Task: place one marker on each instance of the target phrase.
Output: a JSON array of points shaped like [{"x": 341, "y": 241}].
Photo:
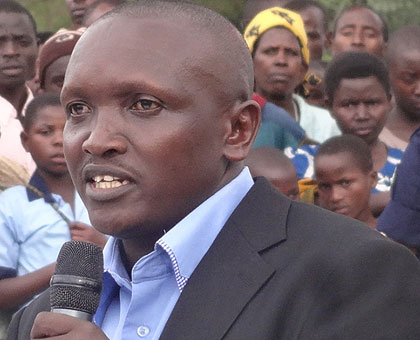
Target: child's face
[
  {"x": 285, "y": 182},
  {"x": 316, "y": 93},
  {"x": 360, "y": 106},
  {"x": 44, "y": 140},
  {"x": 344, "y": 188},
  {"x": 404, "y": 72}
]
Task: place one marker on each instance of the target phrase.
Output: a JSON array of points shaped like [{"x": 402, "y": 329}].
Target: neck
[
  {"x": 369, "y": 220},
  {"x": 16, "y": 96},
  {"x": 284, "y": 101},
  {"x": 60, "y": 185}
]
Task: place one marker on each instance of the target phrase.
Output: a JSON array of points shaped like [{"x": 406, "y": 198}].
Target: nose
[
  {"x": 357, "y": 39},
  {"x": 336, "y": 194},
  {"x": 58, "y": 138},
  {"x": 105, "y": 138},
  {"x": 280, "y": 58},
  {"x": 362, "y": 112},
  {"x": 10, "y": 49}
]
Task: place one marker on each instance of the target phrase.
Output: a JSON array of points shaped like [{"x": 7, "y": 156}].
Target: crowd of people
[{"x": 323, "y": 110}]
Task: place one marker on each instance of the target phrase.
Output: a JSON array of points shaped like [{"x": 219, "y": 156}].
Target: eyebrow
[{"x": 126, "y": 88}]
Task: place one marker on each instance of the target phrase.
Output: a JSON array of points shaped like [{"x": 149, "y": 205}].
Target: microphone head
[{"x": 77, "y": 281}]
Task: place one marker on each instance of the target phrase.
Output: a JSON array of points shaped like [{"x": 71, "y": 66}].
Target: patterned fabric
[
  {"x": 180, "y": 280},
  {"x": 303, "y": 159}
]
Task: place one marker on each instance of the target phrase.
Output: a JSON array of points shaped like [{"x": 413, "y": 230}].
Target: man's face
[
  {"x": 77, "y": 9},
  {"x": 278, "y": 63},
  {"x": 360, "y": 107},
  {"x": 404, "y": 72},
  {"x": 144, "y": 138},
  {"x": 18, "y": 49},
  {"x": 342, "y": 186},
  {"x": 358, "y": 30},
  {"x": 313, "y": 19}
]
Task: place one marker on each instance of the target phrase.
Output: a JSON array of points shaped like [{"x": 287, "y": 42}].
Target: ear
[
  {"x": 241, "y": 129},
  {"x": 373, "y": 175},
  {"x": 24, "y": 140}
]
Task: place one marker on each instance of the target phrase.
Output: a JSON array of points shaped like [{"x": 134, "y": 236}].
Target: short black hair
[
  {"x": 385, "y": 29},
  {"x": 353, "y": 65},
  {"x": 37, "y": 104},
  {"x": 354, "y": 145},
  {"x": 299, "y": 5},
  {"x": 10, "y": 6}
]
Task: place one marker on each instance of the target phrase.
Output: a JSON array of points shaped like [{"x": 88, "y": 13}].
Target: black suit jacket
[{"x": 286, "y": 270}]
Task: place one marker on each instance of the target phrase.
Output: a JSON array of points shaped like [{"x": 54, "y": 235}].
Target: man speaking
[{"x": 157, "y": 96}]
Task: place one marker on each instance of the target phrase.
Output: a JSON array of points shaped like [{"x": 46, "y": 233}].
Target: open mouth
[{"x": 108, "y": 182}]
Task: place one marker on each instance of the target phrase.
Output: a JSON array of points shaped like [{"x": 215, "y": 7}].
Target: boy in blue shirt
[{"x": 37, "y": 219}]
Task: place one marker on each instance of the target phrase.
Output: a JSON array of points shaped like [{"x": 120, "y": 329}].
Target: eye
[
  {"x": 144, "y": 105},
  {"x": 270, "y": 51},
  {"x": 345, "y": 183},
  {"x": 78, "y": 109}
]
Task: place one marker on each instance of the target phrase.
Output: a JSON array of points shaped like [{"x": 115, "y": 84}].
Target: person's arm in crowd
[
  {"x": 378, "y": 201},
  {"x": 17, "y": 290}
]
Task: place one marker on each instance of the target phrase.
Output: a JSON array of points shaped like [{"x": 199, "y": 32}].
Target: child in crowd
[
  {"x": 276, "y": 167},
  {"x": 345, "y": 176},
  {"x": 402, "y": 57},
  {"x": 315, "y": 19},
  {"x": 359, "y": 97},
  {"x": 35, "y": 220}
]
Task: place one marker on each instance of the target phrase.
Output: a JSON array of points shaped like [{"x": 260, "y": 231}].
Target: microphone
[{"x": 75, "y": 287}]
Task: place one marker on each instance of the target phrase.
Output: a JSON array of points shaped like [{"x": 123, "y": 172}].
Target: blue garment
[
  {"x": 140, "y": 307},
  {"x": 401, "y": 218},
  {"x": 278, "y": 129},
  {"x": 303, "y": 159},
  {"x": 32, "y": 232}
]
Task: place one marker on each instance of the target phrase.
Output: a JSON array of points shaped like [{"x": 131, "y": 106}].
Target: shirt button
[{"x": 143, "y": 331}]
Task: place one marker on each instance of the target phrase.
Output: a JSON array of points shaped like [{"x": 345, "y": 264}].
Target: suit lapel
[{"x": 232, "y": 271}]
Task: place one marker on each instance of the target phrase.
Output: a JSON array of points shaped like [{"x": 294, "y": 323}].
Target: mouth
[
  {"x": 363, "y": 131},
  {"x": 59, "y": 158},
  {"x": 78, "y": 12},
  {"x": 107, "y": 182},
  {"x": 279, "y": 77},
  {"x": 12, "y": 70},
  {"x": 340, "y": 210}
]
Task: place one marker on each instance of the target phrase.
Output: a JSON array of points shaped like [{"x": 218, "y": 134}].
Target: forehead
[
  {"x": 279, "y": 36},
  {"x": 360, "y": 17},
  {"x": 359, "y": 88},
  {"x": 160, "y": 51},
  {"x": 16, "y": 24},
  {"x": 406, "y": 58},
  {"x": 337, "y": 164},
  {"x": 312, "y": 16}
]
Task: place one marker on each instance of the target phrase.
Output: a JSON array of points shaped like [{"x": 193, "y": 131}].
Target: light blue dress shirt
[
  {"x": 139, "y": 308},
  {"x": 31, "y": 231}
]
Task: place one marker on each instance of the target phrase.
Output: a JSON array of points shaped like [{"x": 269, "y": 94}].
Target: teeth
[
  {"x": 109, "y": 185},
  {"x": 108, "y": 182}
]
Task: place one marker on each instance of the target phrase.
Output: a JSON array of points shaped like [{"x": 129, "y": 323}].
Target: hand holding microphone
[{"x": 74, "y": 294}]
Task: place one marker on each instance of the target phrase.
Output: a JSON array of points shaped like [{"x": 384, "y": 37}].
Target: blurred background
[{"x": 51, "y": 15}]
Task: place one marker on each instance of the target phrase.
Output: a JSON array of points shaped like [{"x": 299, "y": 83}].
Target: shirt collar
[
  {"x": 38, "y": 183},
  {"x": 190, "y": 239}
]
